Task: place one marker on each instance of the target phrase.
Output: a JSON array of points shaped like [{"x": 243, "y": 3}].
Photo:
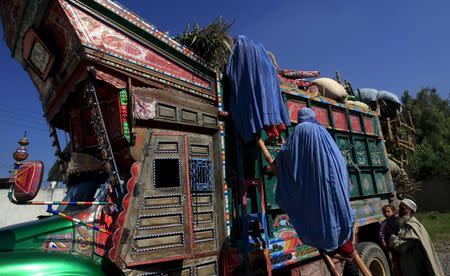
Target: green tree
[{"x": 431, "y": 117}]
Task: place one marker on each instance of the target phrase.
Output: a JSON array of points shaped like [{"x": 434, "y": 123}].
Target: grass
[
  {"x": 438, "y": 227},
  {"x": 211, "y": 42}
]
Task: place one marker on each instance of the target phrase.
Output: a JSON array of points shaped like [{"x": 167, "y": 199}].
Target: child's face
[{"x": 388, "y": 213}]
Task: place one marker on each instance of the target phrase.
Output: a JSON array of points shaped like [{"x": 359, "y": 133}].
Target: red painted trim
[{"x": 122, "y": 216}]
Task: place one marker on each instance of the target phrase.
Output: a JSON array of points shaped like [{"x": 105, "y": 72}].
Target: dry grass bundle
[
  {"x": 405, "y": 186},
  {"x": 212, "y": 43}
]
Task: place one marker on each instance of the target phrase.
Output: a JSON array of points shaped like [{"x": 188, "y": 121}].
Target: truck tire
[{"x": 373, "y": 257}]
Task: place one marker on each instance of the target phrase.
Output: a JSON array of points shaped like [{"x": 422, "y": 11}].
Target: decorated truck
[{"x": 158, "y": 183}]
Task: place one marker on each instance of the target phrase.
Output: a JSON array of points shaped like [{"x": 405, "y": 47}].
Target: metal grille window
[{"x": 200, "y": 170}]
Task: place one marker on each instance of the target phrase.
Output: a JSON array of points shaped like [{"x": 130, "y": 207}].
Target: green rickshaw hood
[{"x": 34, "y": 235}]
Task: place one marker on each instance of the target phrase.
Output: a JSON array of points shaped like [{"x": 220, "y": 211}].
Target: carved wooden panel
[
  {"x": 175, "y": 212},
  {"x": 174, "y": 107},
  {"x": 203, "y": 188},
  {"x": 206, "y": 266},
  {"x": 159, "y": 223},
  {"x": 189, "y": 116}
]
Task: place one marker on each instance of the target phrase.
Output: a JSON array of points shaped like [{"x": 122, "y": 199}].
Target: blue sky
[{"x": 392, "y": 45}]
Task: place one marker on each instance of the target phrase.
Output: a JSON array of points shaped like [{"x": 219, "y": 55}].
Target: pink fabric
[
  {"x": 298, "y": 83},
  {"x": 274, "y": 130},
  {"x": 144, "y": 108},
  {"x": 295, "y": 74}
]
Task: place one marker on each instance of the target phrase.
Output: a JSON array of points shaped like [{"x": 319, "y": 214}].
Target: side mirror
[{"x": 28, "y": 181}]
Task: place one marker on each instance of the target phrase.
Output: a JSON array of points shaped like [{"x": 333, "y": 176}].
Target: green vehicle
[{"x": 153, "y": 182}]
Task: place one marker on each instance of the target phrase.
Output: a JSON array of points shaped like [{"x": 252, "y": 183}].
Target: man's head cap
[{"x": 411, "y": 204}]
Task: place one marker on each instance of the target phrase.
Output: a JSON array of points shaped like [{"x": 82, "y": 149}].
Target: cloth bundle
[
  {"x": 331, "y": 89},
  {"x": 295, "y": 74},
  {"x": 255, "y": 98},
  {"x": 388, "y": 102}
]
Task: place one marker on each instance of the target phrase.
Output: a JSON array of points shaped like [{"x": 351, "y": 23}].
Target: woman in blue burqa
[{"x": 313, "y": 185}]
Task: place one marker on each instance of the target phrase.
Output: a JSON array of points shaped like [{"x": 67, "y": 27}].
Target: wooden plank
[
  {"x": 163, "y": 220},
  {"x": 159, "y": 241}
]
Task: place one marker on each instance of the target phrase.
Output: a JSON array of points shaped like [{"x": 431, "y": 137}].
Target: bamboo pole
[
  {"x": 265, "y": 151},
  {"x": 267, "y": 155},
  {"x": 407, "y": 126},
  {"x": 399, "y": 119},
  {"x": 406, "y": 146},
  {"x": 396, "y": 160},
  {"x": 403, "y": 141},
  {"x": 389, "y": 129}
]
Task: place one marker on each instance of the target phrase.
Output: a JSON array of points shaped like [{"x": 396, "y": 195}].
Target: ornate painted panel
[
  {"x": 354, "y": 184},
  {"x": 270, "y": 181},
  {"x": 98, "y": 35},
  {"x": 376, "y": 153},
  {"x": 355, "y": 122},
  {"x": 343, "y": 143},
  {"x": 369, "y": 125},
  {"x": 340, "y": 119},
  {"x": 367, "y": 185},
  {"x": 359, "y": 145},
  {"x": 293, "y": 109},
  {"x": 322, "y": 115},
  {"x": 381, "y": 182},
  {"x": 134, "y": 19},
  {"x": 368, "y": 210}
]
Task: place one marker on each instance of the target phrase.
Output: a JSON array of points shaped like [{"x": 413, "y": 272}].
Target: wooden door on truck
[
  {"x": 171, "y": 214},
  {"x": 159, "y": 214}
]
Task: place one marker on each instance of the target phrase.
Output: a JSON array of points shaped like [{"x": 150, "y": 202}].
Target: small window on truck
[{"x": 166, "y": 173}]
